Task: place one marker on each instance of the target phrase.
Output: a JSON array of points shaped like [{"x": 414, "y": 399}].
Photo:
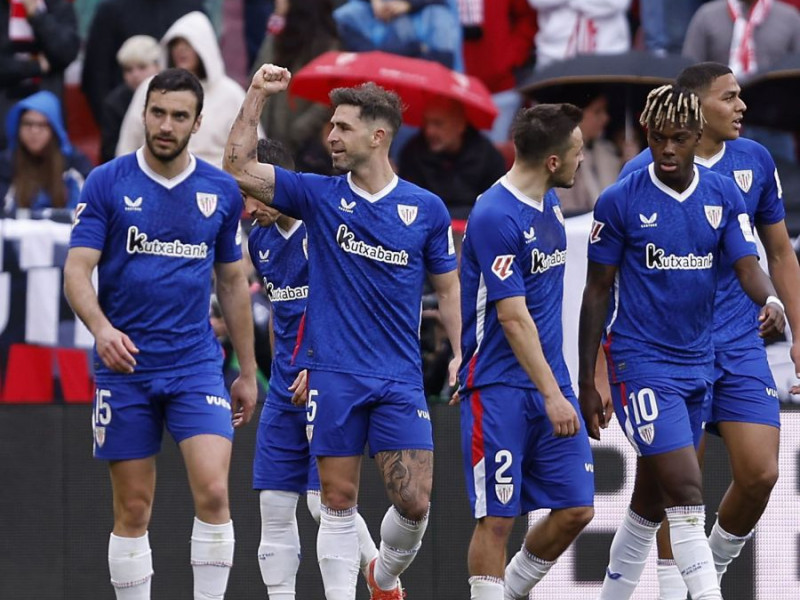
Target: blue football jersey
[
  {"x": 514, "y": 246},
  {"x": 750, "y": 165},
  {"x": 368, "y": 255},
  {"x": 667, "y": 247},
  {"x": 280, "y": 258},
  {"x": 159, "y": 240}
]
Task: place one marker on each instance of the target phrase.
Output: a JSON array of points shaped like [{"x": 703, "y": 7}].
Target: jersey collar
[
  {"x": 372, "y": 197},
  {"x": 287, "y": 234},
  {"x": 160, "y": 179},
  {"x": 710, "y": 162},
  {"x": 537, "y": 204},
  {"x": 651, "y": 170}
]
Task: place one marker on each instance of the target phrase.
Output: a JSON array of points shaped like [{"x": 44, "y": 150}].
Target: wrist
[{"x": 775, "y": 300}]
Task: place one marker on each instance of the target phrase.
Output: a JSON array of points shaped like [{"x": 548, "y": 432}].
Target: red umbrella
[{"x": 417, "y": 81}]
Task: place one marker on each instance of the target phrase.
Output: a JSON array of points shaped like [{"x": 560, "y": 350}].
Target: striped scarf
[{"x": 742, "y": 60}]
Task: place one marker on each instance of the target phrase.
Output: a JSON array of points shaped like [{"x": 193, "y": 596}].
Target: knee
[
  {"x": 497, "y": 528},
  {"x": 759, "y": 484},
  {"x": 212, "y": 498},
  {"x": 574, "y": 520},
  {"x": 414, "y": 509},
  {"x": 133, "y": 513},
  {"x": 340, "y": 496}
]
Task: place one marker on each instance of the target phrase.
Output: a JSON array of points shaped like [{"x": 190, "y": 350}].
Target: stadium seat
[
  {"x": 73, "y": 371},
  {"x": 29, "y": 375}
]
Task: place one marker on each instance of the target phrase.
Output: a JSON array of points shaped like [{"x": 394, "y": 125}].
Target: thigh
[
  {"x": 492, "y": 442},
  {"x": 660, "y": 415},
  {"x": 399, "y": 418},
  {"x": 744, "y": 391},
  {"x": 752, "y": 449},
  {"x": 197, "y": 404},
  {"x": 127, "y": 424},
  {"x": 557, "y": 472},
  {"x": 207, "y": 459},
  {"x": 282, "y": 455},
  {"x": 338, "y": 406}
]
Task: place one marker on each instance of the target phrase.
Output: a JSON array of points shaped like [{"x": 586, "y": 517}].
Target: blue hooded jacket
[{"x": 76, "y": 167}]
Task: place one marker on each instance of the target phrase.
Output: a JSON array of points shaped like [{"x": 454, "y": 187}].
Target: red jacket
[{"x": 507, "y": 42}]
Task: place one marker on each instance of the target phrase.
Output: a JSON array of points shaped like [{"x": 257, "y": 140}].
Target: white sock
[
  {"x": 130, "y": 563},
  {"x": 338, "y": 552},
  {"x": 725, "y": 547},
  {"x": 211, "y": 558},
  {"x": 313, "y": 502},
  {"x": 628, "y": 555},
  {"x": 687, "y": 530},
  {"x": 523, "y": 572},
  {"x": 367, "y": 544},
  {"x": 485, "y": 587},
  {"x": 670, "y": 581},
  {"x": 279, "y": 550},
  {"x": 401, "y": 539}
]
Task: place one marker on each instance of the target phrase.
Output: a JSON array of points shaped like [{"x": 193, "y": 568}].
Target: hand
[
  {"x": 794, "y": 352},
  {"x": 562, "y": 416},
  {"x": 271, "y": 79},
  {"x": 772, "y": 321},
  {"x": 397, "y": 8},
  {"x": 454, "y": 399},
  {"x": 116, "y": 349},
  {"x": 299, "y": 388},
  {"x": 282, "y": 7},
  {"x": 381, "y": 10},
  {"x": 244, "y": 392},
  {"x": 594, "y": 411}
]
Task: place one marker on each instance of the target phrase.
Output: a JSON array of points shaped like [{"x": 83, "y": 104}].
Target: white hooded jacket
[{"x": 222, "y": 95}]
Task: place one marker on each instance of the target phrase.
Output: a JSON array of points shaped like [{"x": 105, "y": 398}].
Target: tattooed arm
[{"x": 254, "y": 178}]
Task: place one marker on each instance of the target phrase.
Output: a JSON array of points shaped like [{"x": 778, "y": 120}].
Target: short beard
[{"x": 169, "y": 156}]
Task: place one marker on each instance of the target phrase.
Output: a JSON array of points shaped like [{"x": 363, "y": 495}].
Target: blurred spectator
[
  {"x": 192, "y": 45},
  {"x": 601, "y": 163},
  {"x": 749, "y": 37},
  {"x": 315, "y": 155},
  {"x": 114, "y": 22},
  {"x": 498, "y": 38},
  {"x": 256, "y": 14},
  {"x": 451, "y": 158},
  {"x": 138, "y": 58},
  {"x": 426, "y": 29},
  {"x": 38, "y": 39},
  {"x": 567, "y": 29},
  {"x": 299, "y": 31},
  {"x": 664, "y": 24},
  {"x": 40, "y": 171}
]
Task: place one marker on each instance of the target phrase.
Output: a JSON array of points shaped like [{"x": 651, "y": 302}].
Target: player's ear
[
  {"x": 378, "y": 135},
  {"x": 553, "y": 162},
  {"x": 197, "y": 122}
]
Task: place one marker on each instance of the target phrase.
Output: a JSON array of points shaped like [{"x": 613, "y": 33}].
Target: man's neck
[
  {"x": 286, "y": 222},
  {"x": 167, "y": 169},
  {"x": 534, "y": 183},
  {"x": 374, "y": 175},
  {"x": 709, "y": 147}
]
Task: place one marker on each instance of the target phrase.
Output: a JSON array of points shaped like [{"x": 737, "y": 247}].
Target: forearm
[
  {"x": 523, "y": 337},
  {"x": 234, "y": 300},
  {"x": 785, "y": 274},
  {"x": 754, "y": 281},
  {"x": 82, "y": 297},
  {"x": 240, "y": 149},
  {"x": 450, "y": 311},
  {"x": 590, "y": 331}
]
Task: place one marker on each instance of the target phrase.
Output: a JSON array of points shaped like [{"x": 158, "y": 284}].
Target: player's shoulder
[
  {"x": 750, "y": 149},
  {"x": 406, "y": 189}
]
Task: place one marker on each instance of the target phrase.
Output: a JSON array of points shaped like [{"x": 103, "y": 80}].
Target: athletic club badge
[
  {"x": 207, "y": 203},
  {"x": 504, "y": 491},
  {"x": 713, "y": 215},
  {"x": 408, "y": 214},
  {"x": 744, "y": 179}
]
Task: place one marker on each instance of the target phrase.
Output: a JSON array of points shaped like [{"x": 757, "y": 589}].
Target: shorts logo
[
  {"x": 408, "y": 214},
  {"x": 744, "y": 179},
  {"x": 133, "y": 205},
  {"x": 713, "y": 215},
  {"x": 347, "y": 241},
  {"x": 309, "y": 431},
  {"x": 589, "y": 467},
  {"x": 504, "y": 491},
  {"x": 747, "y": 231},
  {"x": 648, "y": 221},
  {"x": 346, "y": 206},
  {"x": 647, "y": 433},
  {"x": 559, "y": 214},
  {"x": 772, "y": 392},
  {"x": 218, "y": 401},
  {"x": 423, "y": 414},
  {"x": 207, "y": 203},
  {"x": 597, "y": 227},
  {"x": 99, "y": 435},
  {"x": 502, "y": 266},
  {"x": 657, "y": 258}
]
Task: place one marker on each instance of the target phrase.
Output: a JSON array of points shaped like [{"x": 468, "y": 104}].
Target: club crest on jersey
[
  {"x": 133, "y": 205},
  {"x": 744, "y": 179},
  {"x": 207, "y": 203},
  {"x": 559, "y": 214},
  {"x": 594, "y": 235},
  {"x": 502, "y": 266},
  {"x": 713, "y": 215},
  {"x": 504, "y": 491},
  {"x": 647, "y": 433},
  {"x": 408, "y": 214},
  {"x": 305, "y": 247}
]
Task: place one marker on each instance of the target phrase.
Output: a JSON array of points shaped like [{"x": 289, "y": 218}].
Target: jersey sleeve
[
  {"x": 229, "y": 239},
  {"x": 497, "y": 247},
  {"x": 440, "y": 252},
  {"x": 607, "y": 236},
  {"x": 770, "y": 207},
  {"x": 738, "y": 240},
  {"x": 90, "y": 226},
  {"x": 292, "y": 193}
]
